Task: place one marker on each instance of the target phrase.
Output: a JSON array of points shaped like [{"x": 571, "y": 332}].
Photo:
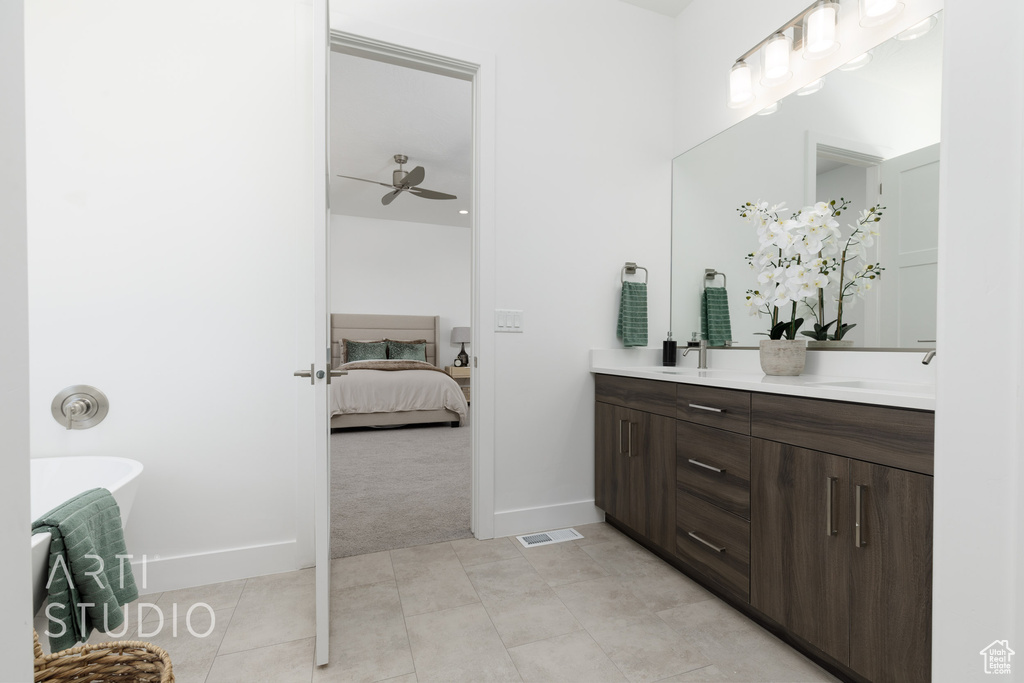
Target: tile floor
[{"x": 597, "y": 609}]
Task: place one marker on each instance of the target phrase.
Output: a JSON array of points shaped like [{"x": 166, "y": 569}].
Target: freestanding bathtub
[{"x": 55, "y": 480}]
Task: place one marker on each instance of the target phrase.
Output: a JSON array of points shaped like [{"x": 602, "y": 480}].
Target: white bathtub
[{"x": 55, "y": 480}]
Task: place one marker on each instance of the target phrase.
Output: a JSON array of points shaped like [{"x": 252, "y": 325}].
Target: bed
[{"x": 371, "y": 397}]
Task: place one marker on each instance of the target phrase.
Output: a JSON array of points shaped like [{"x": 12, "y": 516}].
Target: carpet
[{"x": 400, "y": 487}]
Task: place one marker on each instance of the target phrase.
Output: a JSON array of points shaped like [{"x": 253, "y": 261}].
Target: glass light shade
[
  {"x": 875, "y": 12},
  {"x": 775, "y": 60},
  {"x": 811, "y": 88},
  {"x": 741, "y": 88},
  {"x": 918, "y": 29},
  {"x": 770, "y": 109},
  {"x": 820, "y": 32},
  {"x": 857, "y": 62}
]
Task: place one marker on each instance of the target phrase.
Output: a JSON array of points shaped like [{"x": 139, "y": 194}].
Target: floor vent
[{"x": 549, "y": 537}]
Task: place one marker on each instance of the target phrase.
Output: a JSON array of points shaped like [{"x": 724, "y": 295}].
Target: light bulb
[
  {"x": 741, "y": 89},
  {"x": 775, "y": 60},
  {"x": 875, "y": 12},
  {"x": 820, "y": 30}
]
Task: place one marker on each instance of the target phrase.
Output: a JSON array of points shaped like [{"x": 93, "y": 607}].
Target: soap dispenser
[{"x": 668, "y": 351}]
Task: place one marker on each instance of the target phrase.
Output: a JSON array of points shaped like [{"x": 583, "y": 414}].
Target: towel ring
[
  {"x": 710, "y": 274},
  {"x": 630, "y": 269}
]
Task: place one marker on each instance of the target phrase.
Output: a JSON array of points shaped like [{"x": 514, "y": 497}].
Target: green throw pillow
[
  {"x": 357, "y": 350},
  {"x": 415, "y": 350}
]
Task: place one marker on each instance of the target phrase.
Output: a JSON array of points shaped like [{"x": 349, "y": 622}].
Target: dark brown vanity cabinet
[
  {"x": 816, "y": 515},
  {"x": 634, "y": 474},
  {"x": 841, "y": 547},
  {"x": 713, "y": 484}
]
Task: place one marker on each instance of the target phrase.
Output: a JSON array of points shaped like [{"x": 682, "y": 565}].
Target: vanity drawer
[
  {"x": 647, "y": 395},
  {"x": 894, "y": 437},
  {"x": 723, "y": 408},
  {"x": 714, "y": 465},
  {"x": 714, "y": 542}
]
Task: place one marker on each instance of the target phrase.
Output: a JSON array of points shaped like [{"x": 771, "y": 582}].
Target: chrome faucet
[
  {"x": 924, "y": 361},
  {"x": 702, "y": 355}
]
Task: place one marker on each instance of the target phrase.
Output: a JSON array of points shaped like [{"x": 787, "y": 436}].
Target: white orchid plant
[{"x": 803, "y": 257}]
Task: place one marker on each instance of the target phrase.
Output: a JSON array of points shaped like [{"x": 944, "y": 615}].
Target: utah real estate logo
[{"x": 997, "y": 657}]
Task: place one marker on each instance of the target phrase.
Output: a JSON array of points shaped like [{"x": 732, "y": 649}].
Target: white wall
[
  {"x": 402, "y": 268},
  {"x": 15, "y": 569},
  {"x": 979, "y": 547},
  {"x": 583, "y": 144},
  {"x": 169, "y": 169}
]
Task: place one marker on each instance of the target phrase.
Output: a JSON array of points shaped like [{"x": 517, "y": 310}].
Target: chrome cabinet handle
[
  {"x": 716, "y": 548},
  {"x": 307, "y": 373},
  {"x": 698, "y": 463},
  {"x": 708, "y": 408},
  {"x": 830, "y": 490},
  {"x": 621, "y": 451},
  {"x": 858, "y": 529},
  {"x": 629, "y": 438}
]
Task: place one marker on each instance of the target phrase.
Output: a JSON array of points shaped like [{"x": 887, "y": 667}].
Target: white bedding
[{"x": 390, "y": 391}]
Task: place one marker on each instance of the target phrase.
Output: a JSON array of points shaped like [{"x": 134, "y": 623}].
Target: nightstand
[{"x": 460, "y": 375}]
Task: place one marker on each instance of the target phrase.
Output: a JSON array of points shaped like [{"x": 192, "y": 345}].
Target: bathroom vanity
[{"x": 810, "y": 513}]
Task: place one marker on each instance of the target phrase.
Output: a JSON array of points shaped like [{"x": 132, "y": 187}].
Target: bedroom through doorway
[{"x": 401, "y": 293}]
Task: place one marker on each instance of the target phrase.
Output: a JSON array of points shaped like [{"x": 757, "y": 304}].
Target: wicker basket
[{"x": 127, "y": 661}]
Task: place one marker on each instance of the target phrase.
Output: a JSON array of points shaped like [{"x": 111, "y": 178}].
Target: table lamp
[{"x": 461, "y": 335}]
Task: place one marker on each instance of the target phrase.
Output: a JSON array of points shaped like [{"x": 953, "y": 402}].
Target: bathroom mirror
[{"x": 871, "y": 129}]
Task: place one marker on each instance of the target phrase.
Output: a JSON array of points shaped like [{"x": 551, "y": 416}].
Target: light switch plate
[{"x": 508, "y": 320}]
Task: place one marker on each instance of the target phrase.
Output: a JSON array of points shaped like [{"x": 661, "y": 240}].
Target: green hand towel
[
  {"x": 632, "y": 327},
  {"x": 87, "y": 582},
  {"x": 714, "y": 316}
]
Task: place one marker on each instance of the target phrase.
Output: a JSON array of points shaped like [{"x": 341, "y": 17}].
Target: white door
[
  {"x": 908, "y": 248},
  {"x": 321, "y": 314}
]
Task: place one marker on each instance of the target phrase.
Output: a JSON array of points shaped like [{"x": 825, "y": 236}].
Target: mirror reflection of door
[{"x": 399, "y": 255}]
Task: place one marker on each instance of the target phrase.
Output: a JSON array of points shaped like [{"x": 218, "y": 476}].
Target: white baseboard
[
  {"x": 186, "y": 571},
  {"x": 529, "y": 520}
]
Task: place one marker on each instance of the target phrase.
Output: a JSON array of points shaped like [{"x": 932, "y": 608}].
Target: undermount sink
[{"x": 879, "y": 385}]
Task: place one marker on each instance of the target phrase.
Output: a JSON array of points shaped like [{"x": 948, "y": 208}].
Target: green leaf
[{"x": 841, "y": 332}]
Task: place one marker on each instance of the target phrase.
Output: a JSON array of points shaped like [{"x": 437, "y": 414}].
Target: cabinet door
[
  {"x": 618, "y": 473},
  {"x": 891, "y": 574},
  {"x": 655, "y": 446},
  {"x": 800, "y": 542}
]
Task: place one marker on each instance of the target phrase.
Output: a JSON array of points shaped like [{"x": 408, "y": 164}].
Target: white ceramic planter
[{"x": 783, "y": 356}]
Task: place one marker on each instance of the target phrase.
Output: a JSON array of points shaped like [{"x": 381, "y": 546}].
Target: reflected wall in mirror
[{"x": 871, "y": 136}]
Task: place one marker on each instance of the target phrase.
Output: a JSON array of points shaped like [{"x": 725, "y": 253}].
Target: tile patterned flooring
[{"x": 601, "y": 608}]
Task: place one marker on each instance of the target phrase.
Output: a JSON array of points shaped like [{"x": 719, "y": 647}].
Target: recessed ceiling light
[
  {"x": 918, "y": 29},
  {"x": 811, "y": 88},
  {"x": 857, "y": 62},
  {"x": 770, "y": 109},
  {"x": 463, "y": 211}
]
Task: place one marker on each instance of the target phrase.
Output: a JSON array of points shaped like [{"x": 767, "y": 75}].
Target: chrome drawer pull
[
  {"x": 858, "y": 513},
  {"x": 717, "y": 549},
  {"x": 708, "y": 408},
  {"x": 830, "y": 487},
  {"x": 698, "y": 463}
]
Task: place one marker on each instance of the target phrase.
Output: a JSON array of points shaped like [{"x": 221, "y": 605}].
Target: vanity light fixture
[
  {"x": 811, "y": 88},
  {"x": 775, "y": 60},
  {"x": 820, "y": 30},
  {"x": 857, "y": 62},
  {"x": 741, "y": 89},
  {"x": 875, "y": 12},
  {"x": 463, "y": 211},
  {"x": 769, "y": 110},
  {"x": 918, "y": 29}
]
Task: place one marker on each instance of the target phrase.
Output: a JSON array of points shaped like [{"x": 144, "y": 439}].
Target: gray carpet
[{"x": 396, "y": 488}]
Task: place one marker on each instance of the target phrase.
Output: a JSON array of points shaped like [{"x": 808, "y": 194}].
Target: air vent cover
[{"x": 549, "y": 537}]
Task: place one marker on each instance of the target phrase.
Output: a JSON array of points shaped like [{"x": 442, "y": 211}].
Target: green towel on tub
[
  {"x": 632, "y": 327},
  {"x": 714, "y": 316},
  {"x": 87, "y": 583}
]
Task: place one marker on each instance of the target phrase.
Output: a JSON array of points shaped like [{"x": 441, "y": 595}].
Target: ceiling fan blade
[
  {"x": 390, "y": 196},
  {"x": 430, "y": 194},
  {"x": 414, "y": 177},
  {"x": 375, "y": 182}
]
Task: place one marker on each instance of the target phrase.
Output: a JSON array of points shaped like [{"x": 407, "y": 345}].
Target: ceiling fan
[{"x": 403, "y": 181}]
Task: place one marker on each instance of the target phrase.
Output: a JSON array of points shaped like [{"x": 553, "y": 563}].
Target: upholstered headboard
[{"x": 370, "y": 327}]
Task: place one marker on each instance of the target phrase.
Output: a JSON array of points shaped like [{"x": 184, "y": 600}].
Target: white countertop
[{"x": 900, "y": 392}]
